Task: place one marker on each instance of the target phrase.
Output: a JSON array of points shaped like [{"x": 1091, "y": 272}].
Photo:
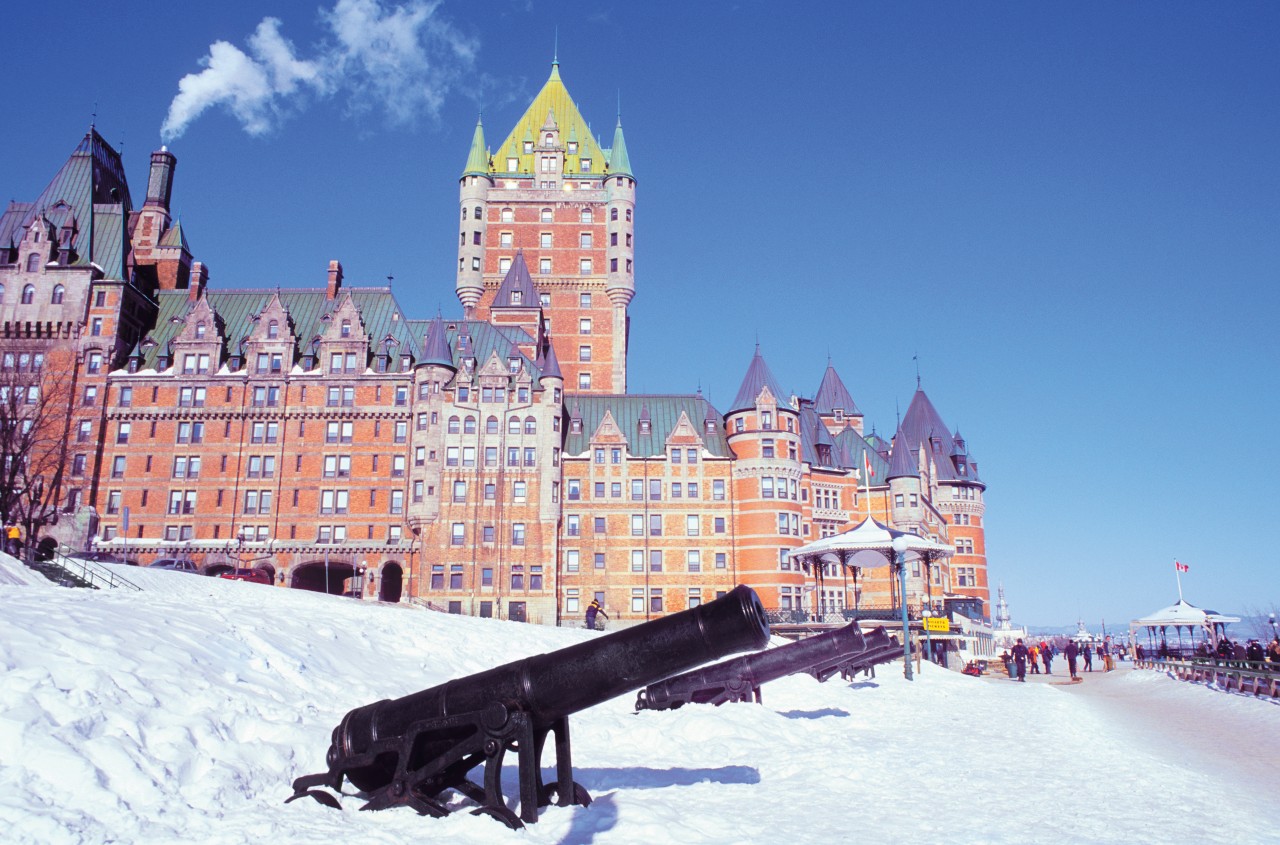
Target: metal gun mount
[
  {"x": 740, "y": 679},
  {"x": 409, "y": 751}
]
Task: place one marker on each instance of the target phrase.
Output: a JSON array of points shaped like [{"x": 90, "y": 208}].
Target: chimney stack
[
  {"x": 335, "y": 280},
  {"x": 160, "y": 183},
  {"x": 199, "y": 278}
]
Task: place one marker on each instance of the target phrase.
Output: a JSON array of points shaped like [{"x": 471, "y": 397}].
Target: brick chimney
[
  {"x": 199, "y": 278},
  {"x": 335, "y": 280}
]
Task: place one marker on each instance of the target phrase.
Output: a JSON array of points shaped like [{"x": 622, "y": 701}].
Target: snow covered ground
[{"x": 182, "y": 713}]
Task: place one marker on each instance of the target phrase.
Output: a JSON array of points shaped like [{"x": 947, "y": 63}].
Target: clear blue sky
[{"x": 1069, "y": 211}]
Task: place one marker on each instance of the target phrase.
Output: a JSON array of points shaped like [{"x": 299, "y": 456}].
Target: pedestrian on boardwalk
[
  {"x": 1033, "y": 655},
  {"x": 1008, "y": 663},
  {"x": 1238, "y": 651},
  {"x": 1071, "y": 651},
  {"x": 1224, "y": 648},
  {"x": 1273, "y": 652},
  {"x": 1020, "y": 658},
  {"x": 1254, "y": 652},
  {"x": 1088, "y": 657},
  {"x": 1046, "y": 654}
]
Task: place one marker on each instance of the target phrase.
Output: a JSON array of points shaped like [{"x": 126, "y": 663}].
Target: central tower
[{"x": 551, "y": 192}]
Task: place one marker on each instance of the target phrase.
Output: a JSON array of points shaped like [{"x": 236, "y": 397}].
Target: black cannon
[
  {"x": 740, "y": 679},
  {"x": 878, "y": 647},
  {"x": 410, "y": 750}
]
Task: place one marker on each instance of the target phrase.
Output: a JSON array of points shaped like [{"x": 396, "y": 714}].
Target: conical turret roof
[
  {"x": 833, "y": 396},
  {"x": 435, "y": 346},
  {"x": 619, "y": 161},
  {"x": 549, "y": 364},
  {"x": 553, "y": 98},
  {"x": 901, "y": 462},
  {"x": 478, "y": 158},
  {"x": 758, "y": 377}
]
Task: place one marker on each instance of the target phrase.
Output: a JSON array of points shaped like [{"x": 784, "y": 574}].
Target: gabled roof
[
  {"x": 664, "y": 412},
  {"x": 902, "y": 463},
  {"x": 833, "y": 395},
  {"x": 516, "y": 280},
  {"x": 553, "y": 97},
  {"x": 853, "y": 446},
  {"x": 758, "y": 377},
  {"x": 174, "y": 236},
  {"x": 379, "y": 312}
]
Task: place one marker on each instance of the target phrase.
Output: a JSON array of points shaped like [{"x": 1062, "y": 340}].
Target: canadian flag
[
  {"x": 1181, "y": 567},
  {"x": 866, "y": 462}
]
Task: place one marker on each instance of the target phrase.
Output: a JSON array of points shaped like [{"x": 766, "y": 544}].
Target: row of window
[
  {"x": 545, "y": 214},
  {"x": 255, "y": 533},
  {"x": 256, "y": 466},
  {"x": 486, "y": 534},
  {"x": 262, "y": 396},
  {"x": 467, "y": 425},
  {"x": 260, "y": 431},
  {"x": 656, "y": 560},
  {"x": 678, "y": 489},
  {"x": 466, "y": 456},
  {"x": 22, "y": 362},
  {"x": 29, "y": 291},
  {"x": 455, "y": 573},
  {"x": 183, "y": 502}
]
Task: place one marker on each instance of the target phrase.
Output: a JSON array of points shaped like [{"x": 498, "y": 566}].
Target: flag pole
[{"x": 1177, "y": 571}]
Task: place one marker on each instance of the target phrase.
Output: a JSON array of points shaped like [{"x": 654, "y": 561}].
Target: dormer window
[
  {"x": 839, "y": 414},
  {"x": 517, "y": 297},
  {"x": 273, "y": 329},
  {"x": 346, "y": 328},
  {"x": 549, "y": 139},
  {"x": 573, "y": 147},
  {"x": 513, "y": 365},
  {"x": 513, "y": 164},
  {"x": 766, "y": 420},
  {"x": 575, "y": 425},
  {"x": 59, "y": 292},
  {"x": 528, "y": 146},
  {"x": 33, "y": 260},
  {"x": 200, "y": 330},
  {"x": 584, "y": 165}
]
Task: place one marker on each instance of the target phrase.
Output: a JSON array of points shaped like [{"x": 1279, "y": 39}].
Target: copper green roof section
[
  {"x": 853, "y": 447},
  {"x": 619, "y": 161},
  {"x": 478, "y": 158},
  {"x": 174, "y": 236},
  {"x": 664, "y": 413},
  {"x": 236, "y": 309},
  {"x": 553, "y": 98}
]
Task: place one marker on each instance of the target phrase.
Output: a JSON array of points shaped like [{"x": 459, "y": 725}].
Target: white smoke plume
[{"x": 401, "y": 61}]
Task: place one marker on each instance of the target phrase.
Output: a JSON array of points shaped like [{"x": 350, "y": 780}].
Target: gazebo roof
[
  {"x": 869, "y": 536},
  {"x": 1182, "y": 614}
]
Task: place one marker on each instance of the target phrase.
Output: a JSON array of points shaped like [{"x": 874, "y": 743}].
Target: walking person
[
  {"x": 1088, "y": 657},
  {"x": 593, "y": 610},
  {"x": 1033, "y": 655},
  {"x": 1020, "y": 658},
  {"x": 1046, "y": 654},
  {"x": 1072, "y": 651}
]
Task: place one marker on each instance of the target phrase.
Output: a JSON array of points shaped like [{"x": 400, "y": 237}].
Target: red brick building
[{"x": 492, "y": 464}]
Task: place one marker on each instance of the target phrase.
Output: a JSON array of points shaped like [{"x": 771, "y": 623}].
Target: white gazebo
[
  {"x": 869, "y": 545},
  {"x": 1210, "y": 624}
]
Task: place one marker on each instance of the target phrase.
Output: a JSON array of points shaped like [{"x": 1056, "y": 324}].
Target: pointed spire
[
  {"x": 833, "y": 396},
  {"x": 477, "y": 159},
  {"x": 550, "y": 365},
  {"x": 619, "y": 161},
  {"x": 901, "y": 463},
  {"x": 757, "y": 378},
  {"x": 516, "y": 290},
  {"x": 435, "y": 347}
]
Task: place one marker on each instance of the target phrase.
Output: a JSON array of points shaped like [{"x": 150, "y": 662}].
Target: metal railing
[
  {"x": 839, "y": 616},
  {"x": 1256, "y": 676}
]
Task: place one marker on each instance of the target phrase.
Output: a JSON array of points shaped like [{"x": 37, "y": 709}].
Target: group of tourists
[
  {"x": 1022, "y": 656},
  {"x": 1252, "y": 651}
]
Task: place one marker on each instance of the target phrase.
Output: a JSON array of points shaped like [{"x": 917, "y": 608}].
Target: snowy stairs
[{"x": 55, "y": 572}]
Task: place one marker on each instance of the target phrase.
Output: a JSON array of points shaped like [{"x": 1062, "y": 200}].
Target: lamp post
[
  {"x": 928, "y": 638},
  {"x": 899, "y": 549}
]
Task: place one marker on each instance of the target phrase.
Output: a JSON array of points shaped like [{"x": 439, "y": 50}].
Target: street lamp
[
  {"x": 899, "y": 550},
  {"x": 928, "y": 639}
]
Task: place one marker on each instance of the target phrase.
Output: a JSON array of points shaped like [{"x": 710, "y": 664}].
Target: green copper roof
[
  {"x": 174, "y": 236},
  {"x": 663, "y": 411},
  {"x": 478, "y": 158},
  {"x": 619, "y": 161}
]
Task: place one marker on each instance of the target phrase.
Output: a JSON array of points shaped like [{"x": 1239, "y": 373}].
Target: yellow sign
[{"x": 938, "y": 624}]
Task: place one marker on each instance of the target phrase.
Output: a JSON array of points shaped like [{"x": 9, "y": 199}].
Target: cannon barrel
[
  {"x": 741, "y": 677},
  {"x": 877, "y": 647},
  {"x": 553, "y": 685}
]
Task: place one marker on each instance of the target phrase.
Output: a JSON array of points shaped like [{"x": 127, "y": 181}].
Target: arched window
[
  {"x": 587, "y": 217},
  {"x": 33, "y": 262},
  {"x": 469, "y": 425},
  {"x": 491, "y": 425},
  {"x": 508, "y": 216},
  {"x": 200, "y": 329},
  {"x": 59, "y": 293},
  {"x": 1, "y": 293},
  {"x": 513, "y": 425},
  {"x": 550, "y": 139},
  {"x": 476, "y": 212},
  {"x": 628, "y": 215},
  {"x": 453, "y": 425},
  {"x": 28, "y": 294},
  {"x": 546, "y": 216},
  {"x": 613, "y": 214},
  {"x": 273, "y": 329},
  {"x": 530, "y": 425},
  {"x": 346, "y": 328}
]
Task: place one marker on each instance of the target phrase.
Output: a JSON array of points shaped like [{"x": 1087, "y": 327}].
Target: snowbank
[
  {"x": 183, "y": 712},
  {"x": 13, "y": 573}
]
